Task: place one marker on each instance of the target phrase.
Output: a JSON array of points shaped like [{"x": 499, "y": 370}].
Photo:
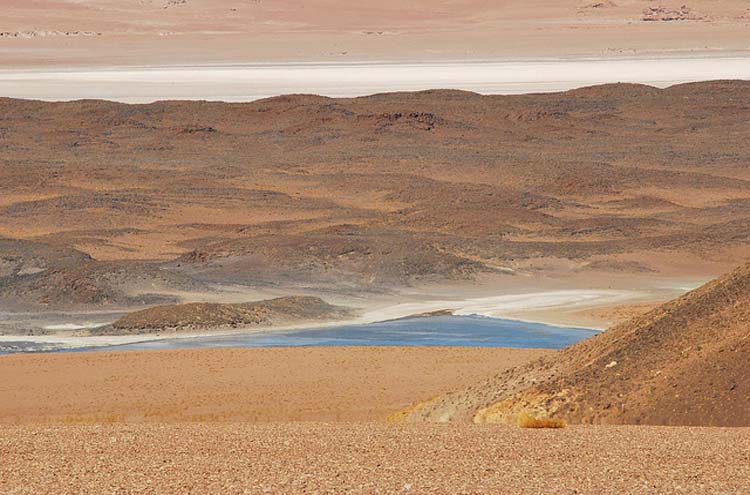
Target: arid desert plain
[{"x": 408, "y": 247}]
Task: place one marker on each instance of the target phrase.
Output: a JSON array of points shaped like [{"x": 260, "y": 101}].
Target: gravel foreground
[{"x": 371, "y": 458}]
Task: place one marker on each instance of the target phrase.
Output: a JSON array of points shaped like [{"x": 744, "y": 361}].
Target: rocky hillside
[
  {"x": 366, "y": 194},
  {"x": 209, "y": 316},
  {"x": 36, "y": 274},
  {"x": 684, "y": 363}
]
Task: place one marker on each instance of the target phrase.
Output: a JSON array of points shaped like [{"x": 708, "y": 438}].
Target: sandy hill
[
  {"x": 684, "y": 363},
  {"x": 208, "y": 316},
  {"x": 370, "y": 193}
]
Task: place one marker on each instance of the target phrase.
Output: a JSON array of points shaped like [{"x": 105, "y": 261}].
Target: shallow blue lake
[
  {"x": 462, "y": 331},
  {"x": 466, "y": 331}
]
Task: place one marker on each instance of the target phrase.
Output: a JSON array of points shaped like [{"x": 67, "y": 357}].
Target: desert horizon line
[
  {"x": 250, "y": 82},
  {"x": 381, "y": 93}
]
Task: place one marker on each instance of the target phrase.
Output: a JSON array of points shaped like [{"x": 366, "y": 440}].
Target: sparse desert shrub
[{"x": 526, "y": 420}]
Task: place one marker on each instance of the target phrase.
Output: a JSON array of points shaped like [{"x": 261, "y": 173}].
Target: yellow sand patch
[
  {"x": 402, "y": 415},
  {"x": 526, "y": 420}
]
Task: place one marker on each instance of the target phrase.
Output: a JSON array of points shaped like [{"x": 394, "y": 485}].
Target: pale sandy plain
[
  {"x": 247, "y": 82},
  {"x": 100, "y": 33},
  {"x": 264, "y": 384},
  {"x": 233, "y": 50}
]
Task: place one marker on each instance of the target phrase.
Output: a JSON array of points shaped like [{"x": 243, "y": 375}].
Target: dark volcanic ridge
[
  {"x": 213, "y": 316},
  {"x": 115, "y": 204},
  {"x": 38, "y": 275},
  {"x": 684, "y": 363}
]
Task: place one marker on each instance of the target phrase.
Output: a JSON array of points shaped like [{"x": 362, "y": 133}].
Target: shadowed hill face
[
  {"x": 684, "y": 363},
  {"x": 35, "y": 273},
  {"x": 386, "y": 190}
]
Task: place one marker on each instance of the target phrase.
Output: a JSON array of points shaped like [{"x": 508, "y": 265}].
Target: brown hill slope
[
  {"x": 370, "y": 193},
  {"x": 37, "y": 274},
  {"x": 207, "y": 316},
  {"x": 684, "y": 363}
]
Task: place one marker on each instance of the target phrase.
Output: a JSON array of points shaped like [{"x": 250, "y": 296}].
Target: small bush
[{"x": 526, "y": 420}]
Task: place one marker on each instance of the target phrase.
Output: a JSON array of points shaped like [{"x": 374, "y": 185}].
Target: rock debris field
[{"x": 371, "y": 458}]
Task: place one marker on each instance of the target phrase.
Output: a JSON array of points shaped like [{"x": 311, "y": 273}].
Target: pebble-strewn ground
[{"x": 371, "y": 458}]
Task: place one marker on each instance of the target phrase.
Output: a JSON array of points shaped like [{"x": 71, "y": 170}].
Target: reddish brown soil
[
  {"x": 369, "y": 193},
  {"x": 683, "y": 363},
  {"x": 369, "y": 458}
]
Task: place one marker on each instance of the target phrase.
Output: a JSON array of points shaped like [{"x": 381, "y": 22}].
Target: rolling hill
[
  {"x": 130, "y": 202},
  {"x": 684, "y": 363}
]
